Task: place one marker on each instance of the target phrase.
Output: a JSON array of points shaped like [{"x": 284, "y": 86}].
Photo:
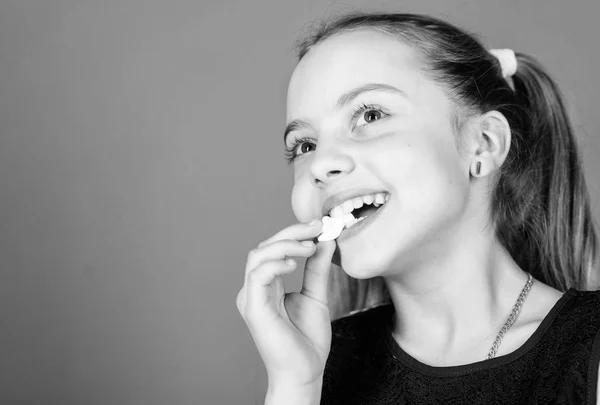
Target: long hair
[{"x": 540, "y": 205}]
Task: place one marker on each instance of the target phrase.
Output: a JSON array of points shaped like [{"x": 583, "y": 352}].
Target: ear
[{"x": 490, "y": 143}]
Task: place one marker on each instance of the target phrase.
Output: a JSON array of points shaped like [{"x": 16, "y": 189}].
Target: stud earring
[{"x": 478, "y": 168}]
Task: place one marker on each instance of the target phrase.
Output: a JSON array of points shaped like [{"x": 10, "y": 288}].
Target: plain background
[{"x": 141, "y": 158}]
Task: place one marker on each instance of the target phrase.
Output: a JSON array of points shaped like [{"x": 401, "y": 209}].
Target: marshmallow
[{"x": 332, "y": 227}]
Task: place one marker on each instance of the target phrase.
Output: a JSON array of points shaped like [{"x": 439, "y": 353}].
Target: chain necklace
[{"x": 511, "y": 318}]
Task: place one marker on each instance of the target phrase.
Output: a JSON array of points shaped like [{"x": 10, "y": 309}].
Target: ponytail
[{"x": 550, "y": 230}]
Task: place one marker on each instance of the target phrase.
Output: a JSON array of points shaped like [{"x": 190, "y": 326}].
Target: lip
[
  {"x": 336, "y": 199},
  {"x": 356, "y": 228}
]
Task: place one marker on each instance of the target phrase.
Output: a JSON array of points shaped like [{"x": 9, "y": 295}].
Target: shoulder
[
  {"x": 571, "y": 330},
  {"x": 572, "y": 310},
  {"x": 585, "y": 309},
  {"x": 582, "y": 310},
  {"x": 572, "y": 306},
  {"x": 580, "y": 325}
]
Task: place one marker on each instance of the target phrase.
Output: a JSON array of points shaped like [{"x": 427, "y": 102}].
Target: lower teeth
[{"x": 355, "y": 221}]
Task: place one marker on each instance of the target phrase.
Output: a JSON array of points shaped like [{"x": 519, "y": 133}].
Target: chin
[{"x": 358, "y": 268}]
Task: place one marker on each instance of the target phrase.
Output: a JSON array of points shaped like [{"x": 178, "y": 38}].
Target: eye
[
  {"x": 299, "y": 148},
  {"x": 370, "y": 116},
  {"x": 367, "y": 114},
  {"x": 303, "y": 147}
]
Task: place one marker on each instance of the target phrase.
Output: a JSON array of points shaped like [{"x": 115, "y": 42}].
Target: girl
[{"x": 474, "y": 227}]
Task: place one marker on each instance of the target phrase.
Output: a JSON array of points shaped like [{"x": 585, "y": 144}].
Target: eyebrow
[{"x": 344, "y": 100}]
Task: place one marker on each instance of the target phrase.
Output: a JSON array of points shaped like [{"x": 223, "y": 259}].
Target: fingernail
[
  {"x": 291, "y": 263},
  {"x": 313, "y": 222},
  {"x": 308, "y": 243}
]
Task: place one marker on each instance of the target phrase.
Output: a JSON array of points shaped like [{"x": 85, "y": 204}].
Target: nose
[{"x": 329, "y": 163}]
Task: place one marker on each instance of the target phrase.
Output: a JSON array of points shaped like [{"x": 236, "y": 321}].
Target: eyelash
[
  {"x": 290, "y": 152},
  {"x": 363, "y": 108}
]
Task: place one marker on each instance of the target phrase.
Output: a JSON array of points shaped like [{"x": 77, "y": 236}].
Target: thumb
[{"x": 316, "y": 272}]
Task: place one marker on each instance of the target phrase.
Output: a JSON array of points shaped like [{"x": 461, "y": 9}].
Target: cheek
[
  {"x": 426, "y": 177},
  {"x": 443, "y": 197},
  {"x": 301, "y": 203}
]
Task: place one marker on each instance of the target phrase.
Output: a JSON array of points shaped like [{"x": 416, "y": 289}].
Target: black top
[{"x": 558, "y": 364}]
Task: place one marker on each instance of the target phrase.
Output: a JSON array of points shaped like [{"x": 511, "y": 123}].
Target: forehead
[{"x": 348, "y": 60}]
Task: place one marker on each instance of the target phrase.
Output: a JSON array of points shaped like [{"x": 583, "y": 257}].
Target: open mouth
[
  {"x": 350, "y": 213},
  {"x": 364, "y": 207},
  {"x": 357, "y": 209},
  {"x": 361, "y": 213}
]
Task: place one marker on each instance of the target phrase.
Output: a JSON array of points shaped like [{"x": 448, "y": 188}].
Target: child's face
[{"x": 407, "y": 150}]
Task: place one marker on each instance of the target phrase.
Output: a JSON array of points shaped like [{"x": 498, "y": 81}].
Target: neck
[{"x": 450, "y": 309}]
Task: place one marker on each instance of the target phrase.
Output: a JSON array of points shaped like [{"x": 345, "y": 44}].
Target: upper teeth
[{"x": 348, "y": 206}]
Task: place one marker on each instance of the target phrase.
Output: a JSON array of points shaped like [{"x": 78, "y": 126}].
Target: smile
[
  {"x": 358, "y": 225},
  {"x": 358, "y": 208}
]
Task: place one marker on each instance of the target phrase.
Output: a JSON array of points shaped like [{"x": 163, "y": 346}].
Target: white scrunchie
[{"x": 507, "y": 59}]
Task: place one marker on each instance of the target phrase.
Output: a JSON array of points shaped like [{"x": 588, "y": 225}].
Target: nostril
[{"x": 326, "y": 176}]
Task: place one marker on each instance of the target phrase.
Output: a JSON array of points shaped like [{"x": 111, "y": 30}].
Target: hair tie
[{"x": 508, "y": 61}]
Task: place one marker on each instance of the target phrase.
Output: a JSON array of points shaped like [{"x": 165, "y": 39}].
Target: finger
[
  {"x": 279, "y": 250},
  {"x": 260, "y": 286},
  {"x": 297, "y": 232},
  {"x": 240, "y": 300},
  {"x": 316, "y": 273}
]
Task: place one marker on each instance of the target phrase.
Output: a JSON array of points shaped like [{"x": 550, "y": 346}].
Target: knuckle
[
  {"x": 252, "y": 254},
  {"x": 314, "y": 296},
  {"x": 240, "y": 300},
  {"x": 254, "y": 275},
  {"x": 284, "y": 247}
]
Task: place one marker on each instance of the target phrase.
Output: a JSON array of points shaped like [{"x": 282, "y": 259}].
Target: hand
[{"x": 291, "y": 331}]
